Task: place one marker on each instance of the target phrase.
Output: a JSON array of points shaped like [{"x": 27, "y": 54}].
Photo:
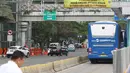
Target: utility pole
[{"x": 17, "y": 22}]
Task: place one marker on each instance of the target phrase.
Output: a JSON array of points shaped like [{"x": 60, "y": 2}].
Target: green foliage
[
  {"x": 43, "y": 31},
  {"x": 5, "y": 10},
  {"x": 84, "y": 28},
  {"x": 122, "y": 24}
]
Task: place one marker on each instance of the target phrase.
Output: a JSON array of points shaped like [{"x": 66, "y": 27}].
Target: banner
[{"x": 87, "y": 3}]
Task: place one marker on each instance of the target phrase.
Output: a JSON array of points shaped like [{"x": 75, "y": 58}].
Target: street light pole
[{"x": 79, "y": 37}]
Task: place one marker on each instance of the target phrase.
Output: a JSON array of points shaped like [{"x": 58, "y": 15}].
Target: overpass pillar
[
  {"x": 128, "y": 31},
  {"x": 22, "y": 33},
  {"x": 29, "y": 34}
]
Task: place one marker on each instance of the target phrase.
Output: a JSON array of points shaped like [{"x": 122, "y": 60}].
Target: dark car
[
  {"x": 64, "y": 51},
  {"x": 78, "y": 45},
  {"x": 54, "y": 51}
]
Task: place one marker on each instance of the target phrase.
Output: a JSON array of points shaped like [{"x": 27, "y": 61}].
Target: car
[
  {"x": 64, "y": 50},
  {"x": 71, "y": 47},
  {"x": 11, "y": 50},
  {"x": 78, "y": 45},
  {"x": 54, "y": 49}
]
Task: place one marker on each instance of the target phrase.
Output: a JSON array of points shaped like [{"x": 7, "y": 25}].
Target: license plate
[
  {"x": 103, "y": 55},
  {"x": 54, "y": 49},
  {"x": 11, "y": 50}
]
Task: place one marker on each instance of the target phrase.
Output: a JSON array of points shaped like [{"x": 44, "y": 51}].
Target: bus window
[
  {"x": 121, "y": 37},
  {"x": 102, "y": 30}
]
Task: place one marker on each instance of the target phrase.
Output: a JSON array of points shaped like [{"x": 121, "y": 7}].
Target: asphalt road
[
  {"x": 90, "y": 68},
  {"x": 44, "y": 59}
]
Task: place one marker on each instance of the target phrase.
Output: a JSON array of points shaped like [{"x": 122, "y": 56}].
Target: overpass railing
[
  {"x": 29, "y": 5},
  {"x": 121, "y": 59}
]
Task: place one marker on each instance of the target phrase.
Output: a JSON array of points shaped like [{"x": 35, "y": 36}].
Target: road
[
  {"x": 90, "y": 68},
  {"x": 44, "y": 59}
]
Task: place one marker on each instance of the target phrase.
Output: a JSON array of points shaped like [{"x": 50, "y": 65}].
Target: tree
[
  {"x": 122, "y": 23},
  {"x": 44, "y": 32},
  {"x": 5, "y": 10}
]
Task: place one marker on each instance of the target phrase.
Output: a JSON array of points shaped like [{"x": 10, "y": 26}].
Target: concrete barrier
[
  {"x": 68, "y": 63},
  {"x": 42, "y": 68},
  {"x": 59, "y": 65},
  {"x": 31, "y": 69},
  {"x": 76, "y": 59},
  {"x": 34, "y": 69},
  {"x": 55, "y": 66},
  {"x": 49, "y": 68},
  {"x": 82, "y": 59},
  {"x": 121, "y": 60},
  {"x": 71, "y": 62}
]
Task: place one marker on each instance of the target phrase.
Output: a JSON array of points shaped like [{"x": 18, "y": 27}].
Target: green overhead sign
[{"x": 49, "y": 15}]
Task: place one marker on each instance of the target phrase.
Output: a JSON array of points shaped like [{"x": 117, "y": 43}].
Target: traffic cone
[
  {"x": 46, "y": 52},
  {"x": 43, "y": 52},
  {"x": 31, "y": 52},
  {"x": 5, "y": 50},
  {"x": 1, "y": 51}
]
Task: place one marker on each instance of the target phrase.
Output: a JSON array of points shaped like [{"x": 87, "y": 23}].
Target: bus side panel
[
  {"x": 117, "y": 37},
  {"x": 89, "y": 37}
]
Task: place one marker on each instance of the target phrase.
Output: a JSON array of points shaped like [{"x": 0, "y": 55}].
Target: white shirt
[{"x": 10, "y": 67}]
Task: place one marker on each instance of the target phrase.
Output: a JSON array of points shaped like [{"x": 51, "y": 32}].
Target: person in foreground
[{"x": 13, "y": 65}]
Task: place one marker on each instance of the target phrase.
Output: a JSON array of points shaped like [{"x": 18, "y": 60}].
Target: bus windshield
[{"x": 103, "y": 30}]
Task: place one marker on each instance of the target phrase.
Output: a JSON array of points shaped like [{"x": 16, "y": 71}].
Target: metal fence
[{"x": 121, "y": 60}]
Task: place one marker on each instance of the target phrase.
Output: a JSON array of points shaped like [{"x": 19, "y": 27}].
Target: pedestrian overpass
[
  {"x": 75, "y": 14},
  {"x": 72, "y": 16}
]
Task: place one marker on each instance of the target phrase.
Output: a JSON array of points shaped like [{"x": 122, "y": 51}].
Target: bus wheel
[{"x": 93, "y": 61}]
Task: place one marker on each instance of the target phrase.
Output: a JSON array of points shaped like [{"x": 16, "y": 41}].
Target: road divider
[
  {"x": 49, "y": 68},
  {"x": 59, "y": 65},
  {"x": 70, "y": 62},
  {"x": 82, "y": 59},
  {"x": 55, "y": 66}
]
